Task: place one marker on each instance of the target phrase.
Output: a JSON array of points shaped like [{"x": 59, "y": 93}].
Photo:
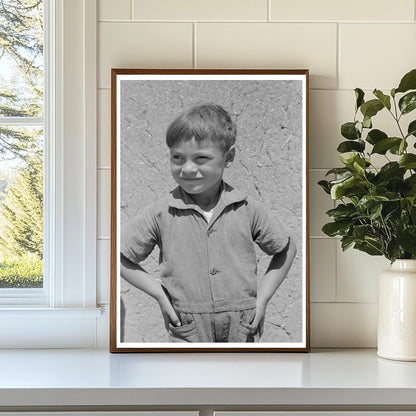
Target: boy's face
[{"x": 198, "y": 167}]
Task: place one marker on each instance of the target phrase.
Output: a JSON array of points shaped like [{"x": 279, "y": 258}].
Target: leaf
[
  {"x": 348, "y": 158},
  {"x": 375, "y": 243},
  {"x": 383, "y": 145},
  {"x": 408, "y": 102},
  {"x": 350, "y": 146},
  {"x": 338, "y": 189},
  {"x": 350, "y": 187},
  {"x": 333, "y": 229},
  {"x": 371, "y": 108},
  {"x": 340, "y": 180},
  {"x": 346, "y": 242},
  {"x": 407, "y": 239},
  {"x": 375, "y": 212},
  {"x": 385, "y": 99},
  {"x": 412, "y": 180},
  {"x": 369, "y": 201},
  {"x": 359, "y": 165},
  {"x": 412, "y": 202},
  {"x": 325, "y": 186},
  {"x": 411, "y": 130},
  {"x": 408, "y": 161},
  {"x": 349, "y": 131},
  {"x": 393, "y": 250},
  {"x": 368, "y": 248},
  {"x": 338, "y": 171},
  {"x": 374, "y": 136},
  {"x": 367, "y": 122},
  {"x": 391, "y": 170},
  {"x": 398, "y": 149},
  {"x": 408, "y": 82},
  {"x": 359, "y": 95},
  {"x": 411, "y": 183},
  {"x": 361, "y": 231},
  {"x": 342, "y": 211}
]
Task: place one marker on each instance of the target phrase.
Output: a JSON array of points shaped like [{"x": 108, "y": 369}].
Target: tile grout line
[
  {"x": 131, "y": 9},
  {"x": 307, "y": 22},
  {"x": 344, "y": 303},
  {"x": 194, "y": 63},
  {"x": 323, "y": 237},
  {"x": 338, "y": 63},
  {"x": 269, "y": 11},
  {"x": 336, "y": 270}
]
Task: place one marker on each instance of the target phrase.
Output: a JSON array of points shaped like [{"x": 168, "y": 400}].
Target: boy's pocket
[
  {"x": 183, "y": 333},
  {"x": 246, "y": 331}
]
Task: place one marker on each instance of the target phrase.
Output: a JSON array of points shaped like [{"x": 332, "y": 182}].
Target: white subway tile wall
[
  {"x": 343, "y": 325},
  {"x": 352, "y": 10},
  {"x": 104, "y": 202},
  {"x": 200, "y": 10},
  {"x": 104, "y": 128},
  {"x": 114, "y": 10},
  {"x": 344, "y": 44},
  {"x": 270, "y": 45},
  {"x": 323, "y": 269},
  {"x": 375, "y": 55},
  {"x": 103, "y": 269},
  {"x": 357, "y": 275},
  {"x": 146, "y": 45}
]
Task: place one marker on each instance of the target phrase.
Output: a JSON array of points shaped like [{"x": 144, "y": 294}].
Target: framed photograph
[{"x": 209, "y": 211}]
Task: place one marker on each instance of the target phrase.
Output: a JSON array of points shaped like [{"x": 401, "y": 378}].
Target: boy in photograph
[{"x": 206, "y": 230}]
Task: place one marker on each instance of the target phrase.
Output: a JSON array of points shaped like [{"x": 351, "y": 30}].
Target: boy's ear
[{"x": 229, "y": 157}]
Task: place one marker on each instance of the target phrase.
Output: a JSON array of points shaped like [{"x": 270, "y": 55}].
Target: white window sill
[
  {"x": 40, "y": 327},
  {"x": 331, "y": 379},
  {"x": 36, "y": 312}
]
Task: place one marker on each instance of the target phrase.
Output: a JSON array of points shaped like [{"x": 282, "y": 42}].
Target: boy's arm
[
  {"x": 138, "y": 277},
  {"x": 276, "y": 272}
]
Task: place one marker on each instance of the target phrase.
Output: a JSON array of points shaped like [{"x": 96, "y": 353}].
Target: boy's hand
[
  {"x": 258, "y": 321},
  {"x": 168, "y": 313}
]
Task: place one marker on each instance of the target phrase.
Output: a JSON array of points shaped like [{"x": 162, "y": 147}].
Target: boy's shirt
[{"x": 205, "y": 267}]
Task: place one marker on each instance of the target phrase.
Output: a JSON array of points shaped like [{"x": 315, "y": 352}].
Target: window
[
  {"x": 22, "y": 128},
  {"x": 63, "y": 313}
]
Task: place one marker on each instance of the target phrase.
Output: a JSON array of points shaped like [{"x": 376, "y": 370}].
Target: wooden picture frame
[{"x": 270, "y": 110}]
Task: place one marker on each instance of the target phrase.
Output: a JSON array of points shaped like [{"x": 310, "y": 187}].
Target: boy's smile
[{"x": 198, "y": 168}]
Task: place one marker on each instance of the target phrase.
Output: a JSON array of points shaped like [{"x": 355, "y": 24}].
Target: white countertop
[{"x": 96, "y": 377}]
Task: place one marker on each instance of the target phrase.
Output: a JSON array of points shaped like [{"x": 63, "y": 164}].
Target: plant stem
[{"x": 397, "y": 118}]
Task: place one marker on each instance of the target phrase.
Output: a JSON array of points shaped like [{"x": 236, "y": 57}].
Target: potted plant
[{"x": 376, "y": 209}]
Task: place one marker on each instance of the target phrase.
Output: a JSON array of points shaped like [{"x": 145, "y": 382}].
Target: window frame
[{"x": 66, "y": 306}]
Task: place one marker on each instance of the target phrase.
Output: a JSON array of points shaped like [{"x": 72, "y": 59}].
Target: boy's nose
[{"x": 189, "y": 167}]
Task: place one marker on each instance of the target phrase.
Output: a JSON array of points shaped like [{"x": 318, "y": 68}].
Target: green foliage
[
  {"x": 21, "y": 95},
  {"x": 21, "y": 271},
  {"x": 21, "y": 91},
  {"x": 21, "y": 213},
  {"x": 376, "y": 210}
]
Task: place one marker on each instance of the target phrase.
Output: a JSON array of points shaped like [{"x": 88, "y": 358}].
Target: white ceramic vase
[{"x": 397, "y": 312}]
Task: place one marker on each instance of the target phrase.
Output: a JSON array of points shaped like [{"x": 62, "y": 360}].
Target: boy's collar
[{"x": 181, "y": 200}]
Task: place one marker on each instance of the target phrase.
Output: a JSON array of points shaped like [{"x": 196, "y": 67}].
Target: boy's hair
[{"x": 203, "y": 122}]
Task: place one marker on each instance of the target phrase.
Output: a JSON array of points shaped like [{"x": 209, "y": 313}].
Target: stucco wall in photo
[{"x": 268, "y": 167}]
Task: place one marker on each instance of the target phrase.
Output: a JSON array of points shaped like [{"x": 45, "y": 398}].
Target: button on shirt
[{"x": 205, "y": 266}]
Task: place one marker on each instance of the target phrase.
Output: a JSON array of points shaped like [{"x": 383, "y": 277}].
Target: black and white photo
[{"x": 209, "y": 245}]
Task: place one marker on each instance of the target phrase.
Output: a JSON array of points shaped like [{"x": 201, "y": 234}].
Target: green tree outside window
[{"x": 21, "y": 143}]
